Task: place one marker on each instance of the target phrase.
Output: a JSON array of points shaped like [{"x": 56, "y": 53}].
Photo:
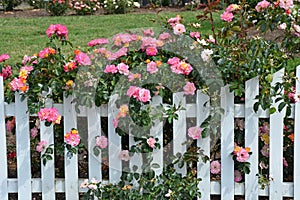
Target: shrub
[
  {"x": 85, "y": 7},
  {"x": 57, "y": 7},
  {"x": 36, "y": 4},
  {"x": 119, "y": 6}
]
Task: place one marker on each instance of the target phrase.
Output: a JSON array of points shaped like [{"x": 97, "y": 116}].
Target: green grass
[{"x": 26, "y": 36}]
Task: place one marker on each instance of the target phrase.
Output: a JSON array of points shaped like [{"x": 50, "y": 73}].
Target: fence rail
[{"x": 48, "y": 185}]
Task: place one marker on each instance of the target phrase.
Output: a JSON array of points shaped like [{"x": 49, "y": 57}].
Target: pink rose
[
  {"x": 144, "y": 95},
  {"x": 215, "y": 167},
  {"x": 151, "y": 51},
  {"x": 98, "y": 41},
  {"x": 179, "y": 29},
  {"x": 189, "y": 88},
  {"x": 83, "y": 59},
  {"x": 151, "y": 142},
  {"x": 4, "y": 57},
  {"x": 237, "y": 176},
  {"x": 111, "y": 69},
  {"x": 227, "y": 16},
  {"x": 152, "y": 67},
  {"x": 195, "y": 132},
  {"x": 242, "y": 155},
  {"x": 124, "y": 155},
  {"x": 101, "y": 142},
  {"x": 41, "y": 146},
  {"x": 123, "y": 68}
]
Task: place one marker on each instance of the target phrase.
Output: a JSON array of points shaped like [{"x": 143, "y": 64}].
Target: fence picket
[
  {"x": 203, "y": 169},
  {"x": 227, "y": 144},
  {"x": 3, "y": 155},
  {"x": 179, "y": 128},
  {"x": 94, "y": 130},
  {"x": 114, "y": 146},
  {"x": 47, "y": 171},
  {"x": 276, "y": 146},
  {"x": 71, "y": 164},
  {"x": 297, "y": 141},
  {"x": 157, "y": 132},
  {"x": 251, "y": 138},
  {"x": 23, "y": 149}
]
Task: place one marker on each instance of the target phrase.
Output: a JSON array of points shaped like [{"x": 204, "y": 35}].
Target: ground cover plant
[{"x": 133, "y": 57}]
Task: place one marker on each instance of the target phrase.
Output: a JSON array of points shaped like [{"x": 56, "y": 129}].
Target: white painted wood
[
  {"x": 157, "y": 132},
  {"x": 23, "y": 149},
  {"x": 276, "y": 146},
  {"x": 48, "y": 170},
  {"x": 3, "y": 155},
  {"x": 179, "y": 129},
  {"x": 203, "y": 169},
  {"x": 114, "y": 145},
  {"x": 227, "y": 145},
  {"x": 297, "y": 141},
  {"x": 94, "y": 130},
  {"x": 71, "y": 165},
  {"x": 251, "y": 138}
]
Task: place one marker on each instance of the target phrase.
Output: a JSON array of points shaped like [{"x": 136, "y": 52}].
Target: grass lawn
[{"x": 20, "y": 36}]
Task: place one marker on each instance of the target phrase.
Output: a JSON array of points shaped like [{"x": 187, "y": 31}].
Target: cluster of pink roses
[
  {"x": 228, "y": 14},
  {"x": 90, "y": 185},
  {"x": 122, "y": 68},
  {"x": 177, "y": 26},
  {"x": 72, "y": 138},
  {"x": 180, "y": 66},
  {"x": 140, "y": 94},
  {"x": 294, "y": 96},
  {"x": 20, "y": 82},
  {"x": 59, "y": 30},
  {"x": 50, "y": 115},
  {"x": 41, "y": 146},
  {"x": 6, "y": 71},
  {"x": 46, "y": 52}
]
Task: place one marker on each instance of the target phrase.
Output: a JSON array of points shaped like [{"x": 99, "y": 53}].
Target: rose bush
[{"x": 137, "y": 66}]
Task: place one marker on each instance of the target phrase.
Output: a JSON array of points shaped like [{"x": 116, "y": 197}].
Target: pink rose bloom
[
  {"x": 98, "y": 41},
  {"x": 262, "y": 5},
  {"x": 189, "y": 88},
  {"x": 185, "y": 68},
  {"x": 195, "y": 132},
  {"x": 34, "y": 131},
  {"x": 215, "y": 167},
  {"x": 173, "y": 61},
  {"x": 10, "y": 124},
  {"x": 195, "y": 34},
  {"x": 50, "y": 115},
  {"x": 83, "y": 59},
  {"x": 179, "y": 29},
  {"x": 58, "y": 29},
  {"x": 111, "y": 69},
  {"x": 72, "y": 139},
  {"x": 124, "y": 155},
  {"x": 227, "y": 16},
  {"x": 237, "y": 176},
  {"x": 151, "y": 142},
  {"x": 242, "y": 155},
  {"x": 282, "y": 26},
  {"x": 123, "y": 68},
  {"x": 286, "y": 4},
  {"x": 285, "y": 163},
  {"x": 118, "y": 54},
  {"x": 151, "y": 51},
  {"x": 144, "y": 95},
  {"x": 265, "y": 150},
  {"x": 4, "y": 57},
  {"x": 148, "y": 32},
  {"x": 174, "y": 20},
  {"x": 148, "y": 41},
  {"x": 16, "y": 84},
  {"x": 131, "y": 77},
  {"x": 41, "y": 146},
  {"x": 232, "y": 7},
  {"x": 152, "y": 67},
  {"x": 133, "y": 91},
  {"x": 297, "y": 30},
  {"x": 164, "y": 36},
  {"x": 101, "y": 142},
  {"x": 6, "y": 72}
]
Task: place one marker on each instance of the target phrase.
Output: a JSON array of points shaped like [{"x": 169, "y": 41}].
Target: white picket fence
[{"x": 48, "y": 185}]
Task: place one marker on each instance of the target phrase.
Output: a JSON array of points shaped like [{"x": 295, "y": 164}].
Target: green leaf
[
  {"x": 96, "y": 151},
  {"x": 272, "y": 110}
]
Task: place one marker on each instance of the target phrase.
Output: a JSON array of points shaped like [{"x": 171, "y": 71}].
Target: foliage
[
  {"x": 86, "y": 7},
  {"x": 37, "y": 4},
  {"x": 57, "y": 7}
]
